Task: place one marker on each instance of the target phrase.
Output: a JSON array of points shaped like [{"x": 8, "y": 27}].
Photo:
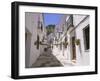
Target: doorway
[{"x": 73, "y": 49}]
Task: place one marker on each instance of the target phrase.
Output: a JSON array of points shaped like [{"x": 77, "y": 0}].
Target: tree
[{"x": 50, "y": 28}]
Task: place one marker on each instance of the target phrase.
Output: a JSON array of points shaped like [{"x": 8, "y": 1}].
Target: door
[{"x": 73, "y": 49}]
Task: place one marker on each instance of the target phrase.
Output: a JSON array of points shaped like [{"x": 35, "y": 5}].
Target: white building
[
  {"x": 74, "y": 41},
  {"x": 81, "y": 28},
  {"x": 59, "y": 50},
  {"x": 34, "y": 33}
]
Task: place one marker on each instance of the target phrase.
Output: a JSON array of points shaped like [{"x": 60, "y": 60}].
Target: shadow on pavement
[{"x": 47, "y": 59}]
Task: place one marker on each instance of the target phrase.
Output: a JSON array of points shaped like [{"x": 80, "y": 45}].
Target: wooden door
[{"x": 73, "y": 49}]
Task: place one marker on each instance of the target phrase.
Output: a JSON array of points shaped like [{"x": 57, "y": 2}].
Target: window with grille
[{"x": 86, "y": 33}]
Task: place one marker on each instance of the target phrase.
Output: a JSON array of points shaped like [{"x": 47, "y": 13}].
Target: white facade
[
  {"x": 78, "y": 54},
  {"x": 34, "y": 26},
  {"x": 59, "y": 51},
  {"x": 82, "y": 55},
  {"x": 72, "y": 27}
]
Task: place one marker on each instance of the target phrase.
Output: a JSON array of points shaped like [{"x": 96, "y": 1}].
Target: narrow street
[
  {"x": 51, "y": 59},
  {"x": 47, "y": 59},
  {"x": 66, "y": 42}
]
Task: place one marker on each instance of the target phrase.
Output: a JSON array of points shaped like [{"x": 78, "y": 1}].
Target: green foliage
[
  {"x": 50, "y": 28},
  {"x": 77, "y": 41}
]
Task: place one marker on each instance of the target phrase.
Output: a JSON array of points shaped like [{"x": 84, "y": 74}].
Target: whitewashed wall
[
  {"x": 77, "y": 19},
  {"x": 31, "y": 25},
  {"x": 83, "y": 56}
]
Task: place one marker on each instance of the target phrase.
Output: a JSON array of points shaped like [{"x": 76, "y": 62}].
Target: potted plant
[
  {"x": 77, "y": 41},
  {"x": 65, "y": 44}
]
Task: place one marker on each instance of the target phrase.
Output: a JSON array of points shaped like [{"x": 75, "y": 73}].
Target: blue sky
[{"x": 50, "y": 18}]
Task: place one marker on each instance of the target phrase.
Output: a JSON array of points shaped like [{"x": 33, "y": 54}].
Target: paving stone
[{"x": 47, "y": 60}]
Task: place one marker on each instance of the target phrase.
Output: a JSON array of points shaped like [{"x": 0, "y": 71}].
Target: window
[
  {"x": 41, "y": 26},
  {"x": 38, "y": 24},
  {"x": 38, "y": 41},
  {"x": 86, "y": 32},
  {"x": 65, "y": 39}
]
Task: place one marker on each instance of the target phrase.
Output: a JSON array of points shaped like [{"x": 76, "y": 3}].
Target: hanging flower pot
[
  {"x": 45, "y": 49},
  {"x": 77, "y": 41},
  {"x": 37, "y": 42},
  {"x": 65, "y": 44},
  {"x": 40, "y": 43}
]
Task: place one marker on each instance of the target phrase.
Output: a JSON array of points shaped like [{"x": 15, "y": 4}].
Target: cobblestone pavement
[{"x": 47, "y": 59}]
